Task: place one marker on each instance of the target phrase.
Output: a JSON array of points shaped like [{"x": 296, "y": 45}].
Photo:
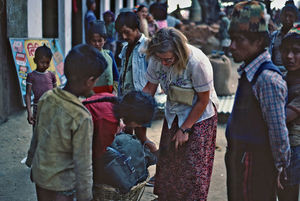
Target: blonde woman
[{"x": 188, "y": 136}]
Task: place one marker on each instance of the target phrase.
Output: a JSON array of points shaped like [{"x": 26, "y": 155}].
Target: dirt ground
[{"x": 15, "y": 185}]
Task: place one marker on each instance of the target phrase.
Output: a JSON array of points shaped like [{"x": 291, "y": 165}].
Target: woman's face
[
  {"x": 97, "y": 41},
  {"x": 167, "y": 58},
  {"x": 143, "y": 12},
  {"x": 291, "y": 56}
]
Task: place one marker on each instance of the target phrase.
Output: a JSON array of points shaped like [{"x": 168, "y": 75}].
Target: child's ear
[{"x": 35, "y": 60}]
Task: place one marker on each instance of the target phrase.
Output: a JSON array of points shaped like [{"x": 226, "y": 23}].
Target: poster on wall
[{"x": 23, "y": 50}]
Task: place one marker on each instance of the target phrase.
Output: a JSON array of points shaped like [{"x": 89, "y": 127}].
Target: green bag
[{"x": 181, "y": 95}]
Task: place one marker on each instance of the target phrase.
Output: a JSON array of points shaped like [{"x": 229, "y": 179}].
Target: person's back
[
  {"x": 107, "y": 111},
  {"x": 62, "y": 163}
]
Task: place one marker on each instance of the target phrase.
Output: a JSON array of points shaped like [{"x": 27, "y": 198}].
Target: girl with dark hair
[{"x": 142, "y": 12}]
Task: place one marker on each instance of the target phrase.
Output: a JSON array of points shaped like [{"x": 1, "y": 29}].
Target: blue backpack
[{"x": 125, "y": 163}]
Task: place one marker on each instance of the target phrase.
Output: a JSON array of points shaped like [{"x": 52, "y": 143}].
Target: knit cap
[
  {"x": 249, "y": 16},
  {"x": 293, "y": 32}
]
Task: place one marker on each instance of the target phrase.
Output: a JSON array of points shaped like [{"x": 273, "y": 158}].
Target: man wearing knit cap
[
  {"x": 289, "y": 14},
  {"x": 258, "y": 147}
]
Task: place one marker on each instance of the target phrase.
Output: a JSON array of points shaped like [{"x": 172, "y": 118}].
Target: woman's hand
[{"x": 180, "y": 138}]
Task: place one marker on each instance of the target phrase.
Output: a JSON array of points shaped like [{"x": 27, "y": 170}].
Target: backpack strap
[
  {"x": 267, "y": 65},
  {"x": 126, "y": 160}
]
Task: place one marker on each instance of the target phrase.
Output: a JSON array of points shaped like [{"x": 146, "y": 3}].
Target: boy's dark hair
[
  {"x": 289, "y": 39},
  {"x": 129, "y": 19},
  {"x": 135, "y": 106},
  {"x": 253, "y": 36},
  {"x": 96, "y": 27},
  {"x": 109, "y": 13},
  {"x": 82, "y": 62},
  {"x": 158, "y": 11},
  {"x": 42, "y": 51},
  {"x": 141, "y": 7},
  {"x": 89, "y": 3}
]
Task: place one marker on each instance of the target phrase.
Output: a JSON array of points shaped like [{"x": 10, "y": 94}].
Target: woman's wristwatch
[{"x": 188, "y": 130}]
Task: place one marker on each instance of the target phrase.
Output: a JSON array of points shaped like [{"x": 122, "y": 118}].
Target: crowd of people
[{"x": 74, "y": 125}]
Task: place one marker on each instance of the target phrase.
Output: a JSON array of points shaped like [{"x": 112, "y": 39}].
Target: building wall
[
  {"x": 13, "y": 24},
  {"x": 12, "y": 13},
  {"x": 34, "y": 10}
]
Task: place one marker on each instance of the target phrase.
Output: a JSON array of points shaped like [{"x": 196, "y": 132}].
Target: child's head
[
  {"x": 142, "y": 11},
  {"x": 127, "y": 25},
  {"x": 42, "y": 58},
  {"x": 108, "y": 16},
  {"x": 150, "y": 18},
  {"x": 290, "y": 49},
  {"x": 96, "y": 35},
  {"x": 136, "y": 108},
  {"x": 91, "y": 5},
  {"x": 83, "y": 65}
]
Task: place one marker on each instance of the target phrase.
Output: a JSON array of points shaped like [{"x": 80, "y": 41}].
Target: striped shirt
[{"x": 271, "y": 91}]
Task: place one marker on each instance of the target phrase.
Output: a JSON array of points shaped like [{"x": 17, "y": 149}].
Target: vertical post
[
  {"x": 65, "y": 25},
  {"x": 119, "y": 5},
  {"x": 130, "y": 4},
  {"x": 84, "y": 10},
  {"x": 34, "y": 9},
  {"x": 104, "y": 6}
]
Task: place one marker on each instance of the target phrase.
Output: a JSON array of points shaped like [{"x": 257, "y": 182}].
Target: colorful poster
[{"x": 23, "y": 50}]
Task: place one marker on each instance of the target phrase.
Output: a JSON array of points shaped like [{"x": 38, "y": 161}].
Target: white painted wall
[
  {"x": 104, "y": 6},
  {"x": 34, "y": 21},
  {"x": 68, "y": 25},
  {"x": 65, "y": 25}
]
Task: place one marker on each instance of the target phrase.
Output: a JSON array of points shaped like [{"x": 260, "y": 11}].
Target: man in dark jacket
[{"x": 258, "y": 147}]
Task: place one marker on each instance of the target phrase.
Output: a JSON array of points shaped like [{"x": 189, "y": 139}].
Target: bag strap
[
  {"x": 126, "y": 160},
  {"x": 267, "y": 65}
]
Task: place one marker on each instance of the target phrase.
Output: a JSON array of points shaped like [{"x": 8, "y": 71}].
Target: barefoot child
[
  {"x": 62, "y": 162},
  {"x": 39, "y": 81}
]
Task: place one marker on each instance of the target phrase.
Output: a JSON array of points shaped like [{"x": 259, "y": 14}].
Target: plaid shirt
[{"x": 271, "y": 91}]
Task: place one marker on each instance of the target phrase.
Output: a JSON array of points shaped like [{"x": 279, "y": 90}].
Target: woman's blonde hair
[{"x": 170, "y": 40}]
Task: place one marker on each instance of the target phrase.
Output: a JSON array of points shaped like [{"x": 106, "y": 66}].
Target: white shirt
[{"x": 197, "y": 75}]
